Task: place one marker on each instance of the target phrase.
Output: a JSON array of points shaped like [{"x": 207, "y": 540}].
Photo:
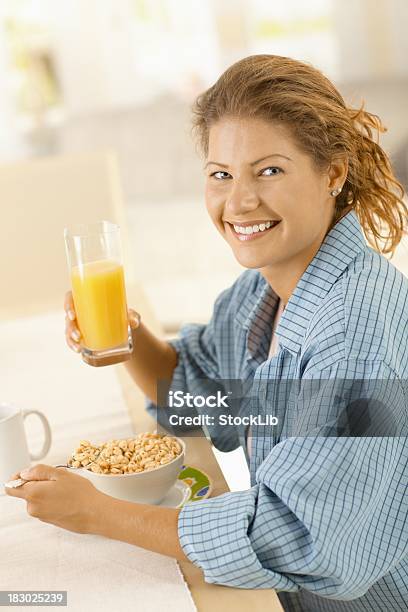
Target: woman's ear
[{"x": 337, "y": 173}]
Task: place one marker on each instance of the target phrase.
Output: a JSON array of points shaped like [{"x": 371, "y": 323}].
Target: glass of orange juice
[{"x": 94, "y": 256}]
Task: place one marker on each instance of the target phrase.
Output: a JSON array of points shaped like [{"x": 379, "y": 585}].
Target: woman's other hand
[{"x": 60, "y": 497}]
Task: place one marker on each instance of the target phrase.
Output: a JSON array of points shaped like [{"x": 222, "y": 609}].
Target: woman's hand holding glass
[{"x": 72, "y": 332}]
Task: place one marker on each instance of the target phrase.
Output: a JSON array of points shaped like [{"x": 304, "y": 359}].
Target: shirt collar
[{"x": 339, "y": 248}]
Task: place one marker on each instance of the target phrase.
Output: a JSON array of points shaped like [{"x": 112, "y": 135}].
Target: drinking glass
[{"x": 94, "y": 255}]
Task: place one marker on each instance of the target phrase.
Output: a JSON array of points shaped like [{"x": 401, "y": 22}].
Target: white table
[{"x": 38, "y": 371}]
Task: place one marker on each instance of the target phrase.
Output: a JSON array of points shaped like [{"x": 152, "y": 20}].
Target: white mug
[{"x": 14, "y": 452}]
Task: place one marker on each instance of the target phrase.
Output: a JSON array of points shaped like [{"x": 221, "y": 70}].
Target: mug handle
[{"x": 47, "y": 431}]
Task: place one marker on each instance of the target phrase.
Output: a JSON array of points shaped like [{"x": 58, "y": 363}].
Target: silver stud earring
[{"x": 335, "y": 192}]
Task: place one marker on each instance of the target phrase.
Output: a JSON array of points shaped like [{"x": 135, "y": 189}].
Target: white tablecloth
[{"x": 38, "y": 371}]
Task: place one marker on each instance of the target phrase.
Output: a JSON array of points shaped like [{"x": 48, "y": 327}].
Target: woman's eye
[
  {"x": 271, "y": 171},
  {"x": 218, "y": 173}
]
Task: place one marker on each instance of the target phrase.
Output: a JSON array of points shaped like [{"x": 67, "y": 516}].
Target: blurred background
[{"x": 105, "y": 75}]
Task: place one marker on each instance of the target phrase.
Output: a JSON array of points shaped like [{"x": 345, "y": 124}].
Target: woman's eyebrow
[{"x": 252, "y": 163}]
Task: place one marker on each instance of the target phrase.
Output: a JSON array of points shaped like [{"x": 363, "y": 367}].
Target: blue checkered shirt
[{"x": 325, "y": 520}]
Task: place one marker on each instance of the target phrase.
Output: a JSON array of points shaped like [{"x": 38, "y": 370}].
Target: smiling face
[{"x": 256, "y": 175}]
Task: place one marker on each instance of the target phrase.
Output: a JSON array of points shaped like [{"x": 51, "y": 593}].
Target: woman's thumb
[{"x": 134, "y": 318}]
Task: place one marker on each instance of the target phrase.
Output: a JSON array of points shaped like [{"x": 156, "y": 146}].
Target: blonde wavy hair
[{"x": 301, "y": 98}]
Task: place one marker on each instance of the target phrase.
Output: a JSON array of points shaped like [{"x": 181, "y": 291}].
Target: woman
[{"x": 291, "y": 173}]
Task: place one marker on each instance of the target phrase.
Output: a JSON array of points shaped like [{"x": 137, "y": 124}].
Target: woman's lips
[{"x": 254, "y": 236}]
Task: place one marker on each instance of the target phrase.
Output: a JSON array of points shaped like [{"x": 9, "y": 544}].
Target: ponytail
[{"x": 371, "y": 187}]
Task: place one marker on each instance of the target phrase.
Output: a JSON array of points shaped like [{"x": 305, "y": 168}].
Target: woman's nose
[{"x": 241, "y": 199}]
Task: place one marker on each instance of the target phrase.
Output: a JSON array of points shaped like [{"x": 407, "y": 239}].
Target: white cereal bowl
[{"x": 149, "y": 487}]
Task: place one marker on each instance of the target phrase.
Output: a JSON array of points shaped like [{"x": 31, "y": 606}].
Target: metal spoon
[{"x": 14, "y": 484}]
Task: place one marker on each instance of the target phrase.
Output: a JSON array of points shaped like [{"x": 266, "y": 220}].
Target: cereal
[{"x": 147, "y": 451}]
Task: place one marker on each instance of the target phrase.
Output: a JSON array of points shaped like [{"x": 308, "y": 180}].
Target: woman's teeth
[{"x": 254, "y": 229}]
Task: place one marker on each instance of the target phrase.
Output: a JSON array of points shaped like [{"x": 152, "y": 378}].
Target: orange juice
[{"x": 98, "y": 290}]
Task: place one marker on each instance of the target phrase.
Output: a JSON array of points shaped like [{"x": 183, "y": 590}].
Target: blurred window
[
  {"x": 175, "y": 45},
  {"x": 294, "y": 28}
]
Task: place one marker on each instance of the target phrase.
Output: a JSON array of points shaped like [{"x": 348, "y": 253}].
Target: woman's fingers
[
  {"x": 69, "y": 306},
  {"x": 134, "y": 318},
  {"x": 72, "y": 335}
]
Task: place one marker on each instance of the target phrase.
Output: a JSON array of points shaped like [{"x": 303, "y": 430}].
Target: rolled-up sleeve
[{"x": 326, "y": 514}]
